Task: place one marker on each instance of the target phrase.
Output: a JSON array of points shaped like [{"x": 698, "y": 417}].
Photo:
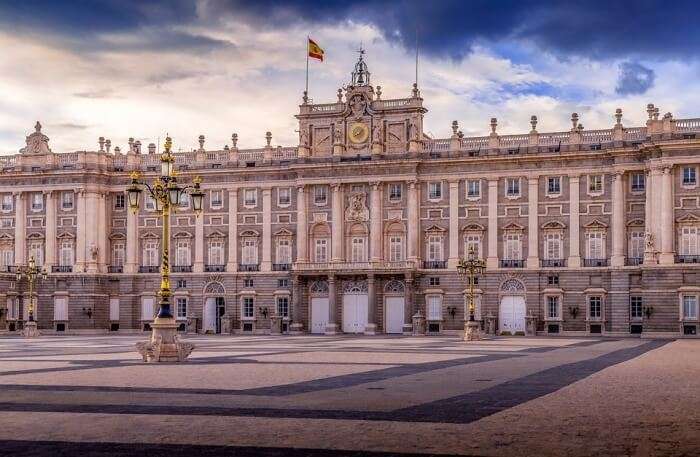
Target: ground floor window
[
  {"x": 248, "y": 307},
  {"x": 553, "y": 307},
  {"x": 434, "y": 305},
  {"x": 181, "y": 303},
  {"x": 690, "y": 306},
  {"x": 636, "y": 304},
  {"x": 595, "y": 307},
  {"x": 283, "y": 306}
]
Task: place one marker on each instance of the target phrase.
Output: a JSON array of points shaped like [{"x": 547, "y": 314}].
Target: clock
[{"x": 358, "y": 132}]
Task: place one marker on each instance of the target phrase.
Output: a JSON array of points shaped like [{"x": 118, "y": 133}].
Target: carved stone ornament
[
  {"x": 377, "y": 134},
  {"x": 394, "y": 287},
  {"x": 303, "y": 137},
  {"x": 649, "y": 241},
  {"x": 214, "y": 288},
  {"x": 357, "y": 208},
  {"x": 94, "y": 250},
  {"x": 512, "y": 285},
  {"x": 319, "y": 288},
  {"x": 37, "y": 142},
  {"x": 355, "y": 287},
  {"x": 358, "y": 105}
]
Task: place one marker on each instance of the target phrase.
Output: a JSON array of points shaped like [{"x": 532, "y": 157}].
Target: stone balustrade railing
[{"x": 345, "y": 266}]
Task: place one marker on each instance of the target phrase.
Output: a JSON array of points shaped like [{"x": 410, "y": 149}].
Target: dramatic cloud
[{"x": 634, "y": 79}]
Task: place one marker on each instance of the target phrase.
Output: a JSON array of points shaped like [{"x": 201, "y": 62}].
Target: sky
[{"x": 144, "y": 69}]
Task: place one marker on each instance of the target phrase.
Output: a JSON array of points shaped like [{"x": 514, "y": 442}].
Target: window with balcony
[
  {"x": 472, "y": 241},
  {"x": 321, "y": 250},
  {"x": 435, "y": 253},
  {"x": 118, "y": 253},
  {"x": 249, "y": 254},
  {"x": 552, "y": 246},
  {"x": 66, "y": 201},
  {"x": 216, "y": 252},
  {"x": 7, "y": 256},
  {"x": 181, "y": 305},
  {"x": 473, "y": 189},
  {"x": 150, "y": 253},
  {"x": 595, "y": 245},
  {"x": 284, "y": 196},
  {"x": 554, "y": 185},
  {"x": 284, "y": 251},
  {"x": 320, "y": 195},
  {"x": 635, "y": 246},
  {"x": 358, "y": 250},
  {"x": 183, "y": 256},
  {"x": 7, "y": 202},
  {"x": 395, "y": 190},
  {"x": 689, "y": 242},
  {"x": 512, "y": 248},
  {"x": 283, "y": 306},
  {"x": 689, "y": 177},
  {"x": 512, "y": 187},
  {"x": 36, "y": 250},
  {"x": 435, "y": 190},
  {"x": 66, "y": 253},
  {"x": 595, "y": 184},
  {"x": 637, "y": 182},
  {"x": 37, "y": 201},
  {"x": 595, "y": 307},
  {"x": 395, "y": 248},
  {"x": 636, "y": 305},
  {"x": 217, "y": 199},
  {"x": 248, "y": 305}
]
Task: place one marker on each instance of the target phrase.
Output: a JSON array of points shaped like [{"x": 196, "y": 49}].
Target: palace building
[{"x": 359, "y": 228}]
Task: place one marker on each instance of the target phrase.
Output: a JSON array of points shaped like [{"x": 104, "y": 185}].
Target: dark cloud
[
  {"x": 634, "y": 78},
  {"x": 95, "y": 94}
]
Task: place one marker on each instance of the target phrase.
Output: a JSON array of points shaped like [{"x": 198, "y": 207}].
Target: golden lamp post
[
  {"x": 30, "y": 272},
  {"x": 468, "y": 269},
  {"x": 164, "y": 345}
]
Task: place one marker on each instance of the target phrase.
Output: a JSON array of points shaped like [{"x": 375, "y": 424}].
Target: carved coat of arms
[{"x": 357, "y": 208}]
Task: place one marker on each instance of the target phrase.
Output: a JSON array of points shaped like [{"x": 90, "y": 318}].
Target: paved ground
[{"x": 341, "y": 396}]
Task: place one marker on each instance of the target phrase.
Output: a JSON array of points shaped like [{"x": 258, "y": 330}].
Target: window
[
  {"x": 247, "y": 282},
  {"x": 594, "y": 245},
  {"x": 434, "y": 281},
  {"x": 250, "y": 197},
  {"x": 67, "y": 200},
  {"x": 512, "y": 248},
  {"x": 554, "y": 185},
  {"x": 434, "y": 305},
  {"x": 182, "y": 253},
  {"x": 119, "y": 202},
  {"x": 689, "y": 241},
  {"x": 60, "y": 308},
  {"x": 552, "y": 246},
  {"x": 435, "y": 248},
  {"x": 217, "y": 198},
  {"x": 181, "y": 304},
  {"x": 65, "y": 258},
  {"x": 636, "y": 307},
  {"x": 435, "y": 190},
  {"x": 358, "y": 249},
  {"x": 37, "y": 202},
  {"x": 594, "y": 307},
  {"x": 635, "y": 248},
  {"x": 248, "y": 307},
  {"x": 472, "y": 241},
  {"x": 320, "y": 195},
  {"x": 184, "y": 200},
  {"x": 118, "y": 253},
  {"x": 283, "y": 306},
  {"x": 216, "y": 252},
  {"x": 473, "y": 188},
  {"x": 284, "y": 196},
  {"x": 36, "y": 250},
  {"x": 7, "y": 256},
  {"x": 182, "y": 284},
  {"x": 284, "y": 251},
  {"x": 553, "y": 280},
  {"x": 690, "y": 306},
  {"x": 283, "y": 282},
  {"x": 512, "y": 187},
  {"x": 7, "y": 202},
  {"x": 395, "y": 248},
  {"x": 7, "y": 222},
  {"x": 150, "y": 253},
  {"x": 395, "y": 192},
  {"x": 249, "y": 255},
  {"x": 637, "y": 182},
  {"x": 150, "y": 203},
  {"x": 552, "y": 307},
  {"x": 321, "y": 250},
  {"x": 690, "y": 176},
  {"x": 595, "y": 184}
]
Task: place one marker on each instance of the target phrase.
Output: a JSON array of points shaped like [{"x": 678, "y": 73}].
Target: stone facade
[{"x": 359, "y": 228}]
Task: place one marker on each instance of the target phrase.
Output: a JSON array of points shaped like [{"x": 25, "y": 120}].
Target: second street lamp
[
  {"x": 31, "y": 272},
  {"x": 468, "y": 269},
  {"x": 164, "y": 345}
]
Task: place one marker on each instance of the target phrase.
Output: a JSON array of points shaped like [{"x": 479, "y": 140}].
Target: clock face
[{"x": 358, "y": 133}]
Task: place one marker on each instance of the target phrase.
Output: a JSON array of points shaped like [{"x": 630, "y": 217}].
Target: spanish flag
[{"x": 315, "y": 50}]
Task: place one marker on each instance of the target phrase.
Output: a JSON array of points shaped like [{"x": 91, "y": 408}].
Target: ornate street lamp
[
  {"x": 31, "y": 272},
  {"x": 468, "y": 269},
  {"x": 164, "y": 345}
]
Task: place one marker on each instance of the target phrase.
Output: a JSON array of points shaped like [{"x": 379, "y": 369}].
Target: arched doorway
[
  {"x": 319, "y": 309},
  {"x": 355, "y": 304},
  {"x": 394, "y": 306},
  {"x": 214, "y": 307},
  {"x": 511, "y": 311}
]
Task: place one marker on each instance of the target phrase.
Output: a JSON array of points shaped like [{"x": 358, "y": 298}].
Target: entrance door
[
  {"x": 209, "y": 322},
  {"x": 511, "y": 314},
  {"x": 319, "y": 314},
  {"x": 220, "y": 311},
  {"x": 355, "y": 313},
  {"x": 394, "y": 314}
]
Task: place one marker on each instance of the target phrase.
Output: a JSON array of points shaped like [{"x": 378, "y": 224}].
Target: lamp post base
[
  {"x": 165, "y": 344},
  {"x": 472, "y": 331},
  {"x": 30, "y": 330}
]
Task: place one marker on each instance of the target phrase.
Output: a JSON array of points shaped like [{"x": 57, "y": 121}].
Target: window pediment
[
  {"x": 117, "y": 236},
  {"x": 435, "y": 230},
  {"x": 183, "y": 235},
  {"x": 249, "y": 234},
  {"x": 596, "y": 225},
  {"x": 6, "y": 237},
  {"x": 64, "y": 235},
  {"x": 553, "y": 225},
  {"x": 689, "y": 219},
  {"x": 217, "y": 234},
  {"x": 150, "y": 235},
  {"x": 281, "y": 233},
  {"x": 636, "y": 223},
  {"x": 513, "y": 227},
  {"x": 395, "y": 228},
  {"x": 35, "y": 236},
  {"x": 474, "y": 228}
]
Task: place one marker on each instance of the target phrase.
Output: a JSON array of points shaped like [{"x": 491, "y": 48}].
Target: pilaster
[
  {"x": 492, "y": 258},
  {"x": 667, "y": 256},
  {"x": 413, "y": 223},
  {"x": 266, "y": 264},
  {"x": 371, "y": 328},
  {"x": 50, "y": 257},
  {"x": 618, "y": 221},
  {"x": 20, "y": 229},
  {"x": 332, "y": 327},
  {"x": 376, "y": 222},
  {"x": 338, "y": 239},
  {"x": 302, "y": 226},
  {"x": 198, "y": 266},
  {"x": 574, "y": 260},
  {"x": 232, "y": 264},
  {"x": 82, "y": 228},
  {"x": 533, "y": 230},
  {"x": 132, "y": 242},
  {"x": 453, "y": 257}
]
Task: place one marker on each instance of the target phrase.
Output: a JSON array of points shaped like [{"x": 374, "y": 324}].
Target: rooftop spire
[{"x": 360, "y": 75}]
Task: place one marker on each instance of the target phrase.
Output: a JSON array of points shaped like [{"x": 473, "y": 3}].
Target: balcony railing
[
  {"x": 633, "y": 261},
  {"x": 345, "y": 266},
  {"x": 149, "y": 269},
  {"x": 510, "y": 263},
  {"x": 181, "y": 268},
  {"x": 248, "y": 267},
  {"x": 688, "y": 259},
  {"x": 595, "y": 262},
  {"x": 115, "y": 269},
  {"x": 214, "y": 268},
  {"x": 434, "y": 264},
  {"x": 8, "y": 269},
  {"x": 61, "y": 269},
  {"x": 553, "y": 263},
  {"x": 281, "y": 266}
]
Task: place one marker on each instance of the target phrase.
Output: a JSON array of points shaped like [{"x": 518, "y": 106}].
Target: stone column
[
  {"x": 376, "y": 223},
  {"x": 371, "y": 328},
  {"x": 332, "y": 327},
  {"x": 492, "y": 258},
  {"x": 297, "y": 325},
  {"x": 266, "y": 264},
  {"x": 656, "y": 180},
  {"x": 574, "y": 260},
  {"x": 91, "y": 225},
  {"x": 50, "y": 257},
  {"x": 533, "y": 226},
  {"x": 132, "y": 242},
  {"x": 232, "y": 264},
  {"x": 649, "y": 254},
  {"x": 618, "y": 221},
  {"x": 198, "y": 266},
  {"x": 413, "y": 221},
  {"x": 302, "y": 226},
  {"x": 667, "y": 216},
  {"x": 453, "y": 257},
  {"x": 81, "y": 236},
  {"x": 409, "y": 305},
  {"x": 20, "y": 229},
  {"x": 337, "y": 235},
  {"x": 103, "y": 224}
]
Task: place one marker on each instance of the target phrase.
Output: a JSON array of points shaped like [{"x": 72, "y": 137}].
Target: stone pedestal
[
  {"x": 331, "y": 329},
  {"x": 371, "y": 329},
  {"x": 226, "y": 324},
  {"x": 472, "y": 331},
  {"x": 490, "y": 321},
  {"x": 276, "y": 325},
  {"x": 165, "y": 344},
  {"x": 418, "y": 324},
  {"x": 30, "y": 330},
  {"x": 530, "y": 325}
]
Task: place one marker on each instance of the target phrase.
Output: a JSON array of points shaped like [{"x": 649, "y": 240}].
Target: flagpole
[{"x": 306, "y": 90}]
